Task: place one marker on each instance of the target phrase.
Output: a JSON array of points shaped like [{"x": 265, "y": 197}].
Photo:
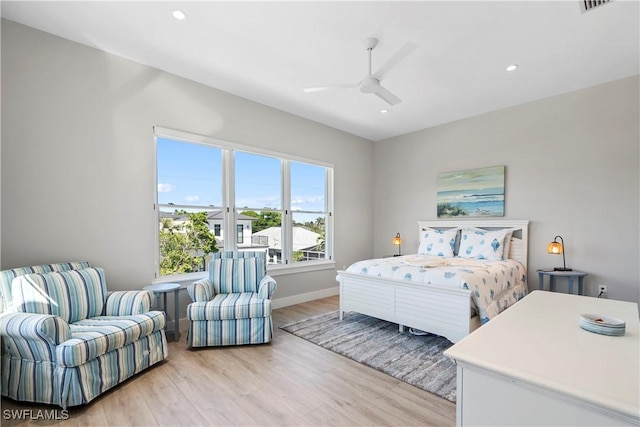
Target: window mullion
[
  {"x": 287, "y": 222},
  {"x": 328, "y": 231},
  {"x": 229, "y": 195}
]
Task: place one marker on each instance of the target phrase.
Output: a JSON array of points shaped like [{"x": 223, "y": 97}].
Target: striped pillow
[
  {"x": 6, "y": 276},
  {"x": 73, "y": 295}
]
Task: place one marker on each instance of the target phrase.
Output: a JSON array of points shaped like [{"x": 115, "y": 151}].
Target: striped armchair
[
  {"x": 66, "y": 339},
  {"x": 233, "y": 305}
]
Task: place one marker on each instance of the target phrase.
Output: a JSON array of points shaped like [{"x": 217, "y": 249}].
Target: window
[
  {"x": 189, "y": 192},
  {"x": 309, "y": 208},
  {"x": 276, "y": 204},
  {"x": 239, "y": 230},
  {"x": 258, "y": 185}
]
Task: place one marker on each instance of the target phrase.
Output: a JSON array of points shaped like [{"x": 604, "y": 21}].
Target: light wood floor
[{"x": 289, "y": 382}]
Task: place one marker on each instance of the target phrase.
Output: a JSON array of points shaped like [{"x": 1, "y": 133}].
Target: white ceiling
[{"x": 268, "y": 51}]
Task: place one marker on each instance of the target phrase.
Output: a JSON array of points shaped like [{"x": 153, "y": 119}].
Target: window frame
[{"x": 228, "y": 193}]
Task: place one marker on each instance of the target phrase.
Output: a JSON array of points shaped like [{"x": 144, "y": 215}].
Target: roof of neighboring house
[
  {"x": 210, "y": 215},
  {"x": 303, "y": 238},
  {"x": 220, "y": 215}
]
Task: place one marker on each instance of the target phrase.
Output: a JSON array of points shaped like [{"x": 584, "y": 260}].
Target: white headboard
[{"x": 518, "y": 249}]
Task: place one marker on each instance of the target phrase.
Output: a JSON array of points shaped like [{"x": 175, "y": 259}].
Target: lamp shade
[
  {"x": 555, "y": 248},
  {"x": 397, "y": 240}
]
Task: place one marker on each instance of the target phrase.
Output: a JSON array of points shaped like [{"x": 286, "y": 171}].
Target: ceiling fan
[{"x": 371, "y": 83}]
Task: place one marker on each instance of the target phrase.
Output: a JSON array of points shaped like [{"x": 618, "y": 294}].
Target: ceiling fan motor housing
[
  {"x": 369, "y": 85},
  {"x": 371, "y": 43}
]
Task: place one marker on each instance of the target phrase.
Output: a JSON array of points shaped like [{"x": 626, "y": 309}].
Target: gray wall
[
  {"x": 571, "y": 169},
  {"x": 78, "y": 182},
  {"x": 77, "y": 158}
]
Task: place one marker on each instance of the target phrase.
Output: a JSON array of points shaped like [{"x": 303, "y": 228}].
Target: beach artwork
[{"x": 471, "y": 193}]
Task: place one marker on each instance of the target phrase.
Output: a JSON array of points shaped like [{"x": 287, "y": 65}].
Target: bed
[{"x": 434, "y": 290}]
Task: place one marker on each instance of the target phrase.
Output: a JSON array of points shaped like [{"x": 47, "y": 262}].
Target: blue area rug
[{"x": 414, "y": 359}]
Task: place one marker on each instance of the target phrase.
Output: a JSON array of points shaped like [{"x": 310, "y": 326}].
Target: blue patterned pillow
[
  {"x": 437, "y": 242},
  {"x": 483, "y": 244}
]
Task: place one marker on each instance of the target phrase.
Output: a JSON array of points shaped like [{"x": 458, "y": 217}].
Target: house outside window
[{"x": 277, "y": 204}]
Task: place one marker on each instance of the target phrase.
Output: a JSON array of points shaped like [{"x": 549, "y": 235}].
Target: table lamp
[
  {"x": 397, "y": 241},
  {"x": 557, "y": 248}
]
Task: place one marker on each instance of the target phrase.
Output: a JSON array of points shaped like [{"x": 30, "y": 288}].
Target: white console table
[{"x": 534, "y": 365}]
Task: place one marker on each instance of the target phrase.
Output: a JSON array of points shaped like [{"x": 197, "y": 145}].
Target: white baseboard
[{"x": 300, "y": 298}]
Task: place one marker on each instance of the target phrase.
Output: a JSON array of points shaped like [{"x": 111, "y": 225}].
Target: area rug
[{"x": 414, "y": 359}]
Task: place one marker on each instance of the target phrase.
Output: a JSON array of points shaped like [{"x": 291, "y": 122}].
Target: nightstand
[{"x": 570, "y": 275}]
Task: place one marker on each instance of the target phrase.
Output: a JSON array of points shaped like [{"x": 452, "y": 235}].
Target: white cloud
[
  {"x": 307, "y": 199},
  {"x": 192, "y": 199},
  {"x": 165, "y": 188}
]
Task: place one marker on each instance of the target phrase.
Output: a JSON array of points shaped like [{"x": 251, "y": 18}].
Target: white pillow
[
  {"x": 483, "y": 244},
  {"x": 437, "y": 242}
]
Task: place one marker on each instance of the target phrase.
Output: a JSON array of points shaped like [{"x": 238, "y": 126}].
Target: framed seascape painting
[{"x": 472, "y": 193}]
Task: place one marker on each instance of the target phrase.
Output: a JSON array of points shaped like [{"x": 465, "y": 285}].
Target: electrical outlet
[{"x": 602, "y": 291}]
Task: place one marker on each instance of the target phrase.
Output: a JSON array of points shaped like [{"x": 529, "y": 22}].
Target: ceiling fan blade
[
  {"x": 395, "y": 59},
  {"x": 387, "y": 96},
  {"x": 325, "y": 88}
]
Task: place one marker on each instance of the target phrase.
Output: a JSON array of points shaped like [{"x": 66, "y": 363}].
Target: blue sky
[{"x": 191, "y": 174}]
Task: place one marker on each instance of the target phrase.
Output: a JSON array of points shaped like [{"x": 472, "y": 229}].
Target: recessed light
[
  {"x": 512, "y": 67},
  {"x": 384, "y": 111},
  {"x": 179, "y": 15}
]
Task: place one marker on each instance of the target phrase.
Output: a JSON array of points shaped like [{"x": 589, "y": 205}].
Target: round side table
[
  {"x": 570, "y": 275},
  {"x": 164, "y": 289}
]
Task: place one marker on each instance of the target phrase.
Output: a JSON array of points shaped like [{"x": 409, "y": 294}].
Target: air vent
[{"x": 587, "y": 5}]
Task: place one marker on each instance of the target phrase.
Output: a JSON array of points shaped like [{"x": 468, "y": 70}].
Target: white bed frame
[{"x": 441, "y": 310}]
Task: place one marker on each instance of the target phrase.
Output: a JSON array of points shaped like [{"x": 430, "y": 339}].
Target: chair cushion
[
  {"x": 7, "y": 276},
  {"x": 230, "y": 306},
  {"x": 236, "y": 275},
  {"x": 96, "y": 336},
  {"x": 73, "y": 295},
  {"x": 241, "y": 254}
]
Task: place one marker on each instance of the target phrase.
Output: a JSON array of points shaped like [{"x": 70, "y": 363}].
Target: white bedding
[{"x": 495, "y": 285}]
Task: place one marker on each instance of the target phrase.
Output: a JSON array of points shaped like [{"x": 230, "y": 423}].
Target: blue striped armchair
[
  {"x": 233, "y": 305},
  {"x": 66, "y": 339}
]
